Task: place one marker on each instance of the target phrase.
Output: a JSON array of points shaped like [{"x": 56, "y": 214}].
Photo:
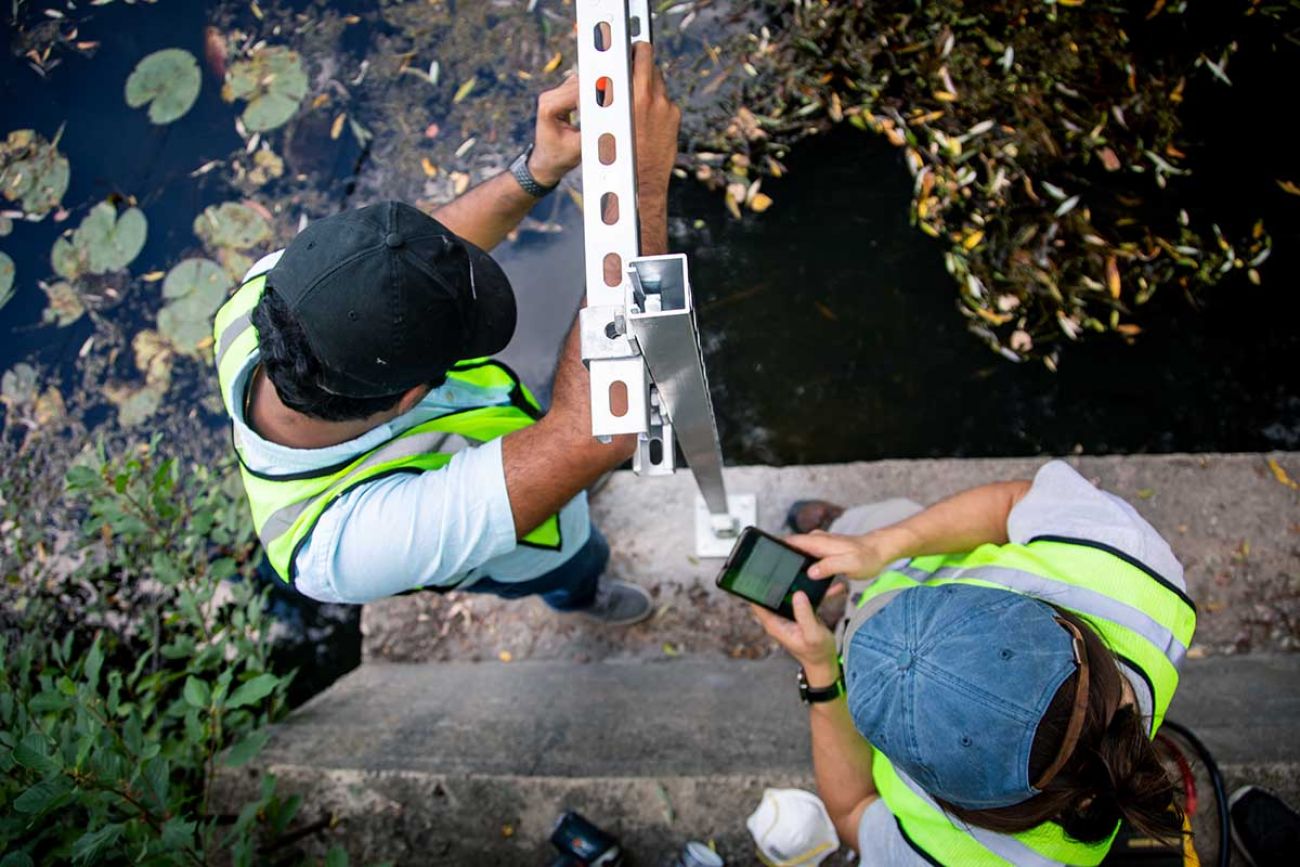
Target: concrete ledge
[
  {"x": 1234, "y": 527},
  {"x": 471, "y": 763}
]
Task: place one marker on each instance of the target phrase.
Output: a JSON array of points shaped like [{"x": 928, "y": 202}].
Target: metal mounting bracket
[{"x": 639, "y": 335}]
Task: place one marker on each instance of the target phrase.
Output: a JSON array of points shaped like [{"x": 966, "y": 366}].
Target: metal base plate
[{"x": 742, "y": 507}]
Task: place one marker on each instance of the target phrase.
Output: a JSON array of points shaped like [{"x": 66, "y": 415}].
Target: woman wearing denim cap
[{"x": 996, "y": 706}]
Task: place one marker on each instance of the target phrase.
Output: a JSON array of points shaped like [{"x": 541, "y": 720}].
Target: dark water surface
[{"x": 832, "y": 334}]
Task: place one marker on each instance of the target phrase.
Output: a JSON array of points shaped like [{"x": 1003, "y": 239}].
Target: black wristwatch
[
  {"x": 809, "y": 695},
  {"x": 519, "y": 168}
]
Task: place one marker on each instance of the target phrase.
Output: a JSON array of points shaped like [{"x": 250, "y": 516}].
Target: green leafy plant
[
  {"x": 168, "y": 81},
  {"x": 129, "y": 680},
  {"x": 272, "y": 81}
]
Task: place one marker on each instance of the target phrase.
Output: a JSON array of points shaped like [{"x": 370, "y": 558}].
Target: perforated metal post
[{"x": 639, "y": 336}]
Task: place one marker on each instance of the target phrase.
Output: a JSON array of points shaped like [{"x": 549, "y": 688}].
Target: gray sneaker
[{"x": 618, "y": 603}]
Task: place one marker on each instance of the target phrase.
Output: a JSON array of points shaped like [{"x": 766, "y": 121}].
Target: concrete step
[{"x": 470, "y": 763}]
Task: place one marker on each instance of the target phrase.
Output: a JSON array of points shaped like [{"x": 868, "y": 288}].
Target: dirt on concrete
[{"x": 1232, "y": 521}]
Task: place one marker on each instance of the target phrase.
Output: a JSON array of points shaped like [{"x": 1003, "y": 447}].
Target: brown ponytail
[{"x": 1114, "y": 772}]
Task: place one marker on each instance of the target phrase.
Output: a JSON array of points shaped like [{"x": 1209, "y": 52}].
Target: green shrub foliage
[{"x": 135, "y": 670}]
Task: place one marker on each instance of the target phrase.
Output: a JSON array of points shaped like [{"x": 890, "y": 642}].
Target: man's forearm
[
  {"x": 487, "y": 213},
  {"x": 547, "y": 464},
  {"x": 654, "y": 225},
  {"x": 841, "y": 763},
  {"x": 962, "y": 522}
]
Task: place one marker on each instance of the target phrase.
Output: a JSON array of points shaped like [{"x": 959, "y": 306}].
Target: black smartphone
[{"x": 767, "y": 571}]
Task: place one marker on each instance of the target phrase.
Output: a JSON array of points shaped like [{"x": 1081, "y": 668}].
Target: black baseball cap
[{"x": 389, "y": 298}]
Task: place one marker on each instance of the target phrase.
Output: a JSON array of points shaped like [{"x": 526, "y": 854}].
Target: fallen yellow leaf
[
  {"x": 505, "y": 656},
  {"x": 429, "y": 168},
  {"x": 971, "y": 241},
  {"x": 465, "y": 89},
  {"x": 554, "y": 63},
  {"x": 1112, "y": 276},
  {"x": 154, "y": 276},
  {"x": 760, "y": 203},
  {"x": 1281, "y": 476},
  {"x": 1289, "y": 187},
  {"x": 336, "y": 129},
  {"x": 991, "y": 317}
]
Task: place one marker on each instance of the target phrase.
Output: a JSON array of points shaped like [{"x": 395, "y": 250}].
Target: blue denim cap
[{"x": 950, "y": 682}]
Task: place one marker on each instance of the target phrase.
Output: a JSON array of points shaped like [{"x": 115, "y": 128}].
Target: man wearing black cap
[{"x": 381, "y": 448}]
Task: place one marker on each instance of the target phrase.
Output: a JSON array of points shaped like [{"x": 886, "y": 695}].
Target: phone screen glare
[{"x": 767, "y": 573}]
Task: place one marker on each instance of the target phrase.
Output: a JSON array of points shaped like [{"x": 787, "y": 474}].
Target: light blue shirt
[{"x": 430, "y": 529}]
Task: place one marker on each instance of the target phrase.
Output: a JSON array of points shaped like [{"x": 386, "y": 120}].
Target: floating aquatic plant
[
  {"x": 104, "y": 242},
  {"x": 231, "y": 225},
  {"x": 195, "y": 289},
  {"x": 26, "y": 402},
  {"x": 32, "y": 172},
  {"x": 6, "y": 279},
  {"x": 65, "y": 306},
  {"x": 272, "y": 82},
  {"x": 18, "y": 385},
  {"x": 168, "y": 82},
  {"x": 153, "y": 358},
  {"x": 1043, "y": 149}
]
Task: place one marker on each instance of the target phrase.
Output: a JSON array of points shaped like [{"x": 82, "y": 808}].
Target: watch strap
[
  {"x": 814, "y": 695},
  {"x": 530, "y": 184}
]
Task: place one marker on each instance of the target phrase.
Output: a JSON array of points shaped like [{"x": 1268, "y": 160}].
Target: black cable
[{"x": 1216, "y": 780}]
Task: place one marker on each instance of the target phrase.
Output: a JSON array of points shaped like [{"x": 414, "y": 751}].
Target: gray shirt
[{"x": 1059, "y": 503}]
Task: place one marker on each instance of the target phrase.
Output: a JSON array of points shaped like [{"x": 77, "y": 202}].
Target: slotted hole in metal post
[
  {"x": 603, "y": 36},
  {"x": 656, "y": 451},
  {"x": 607, "y": 149},
  {"x": 604, "y": 91},
  {"x": 613, "y": 269},
  {"x": 634, "y": 26},
  {"x": 609, "y": 208},
  {"x": 618, "y": 398}
]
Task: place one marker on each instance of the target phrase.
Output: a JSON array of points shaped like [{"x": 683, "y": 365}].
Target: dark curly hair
[{"x": 295, "y": 371}]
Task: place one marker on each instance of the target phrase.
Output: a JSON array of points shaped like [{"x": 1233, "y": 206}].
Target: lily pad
[
  {"x": 18, "y": 386},
  {"x": 272, "y": 81},
  {"x": 66, "y": 306},
  {"x": 6, "y": 279},
  {"x": 168, "y": 82},
  {"x": 32, "y": 172},
  {"x": 135, "y": 406},
  {"x": 103, "y": 243},
  {"x": 153, "y": 358},
  {"x": 235, "y": 263},
  {"x": 231, "y": 224},
  {"x": 196, "y": 287},
  {"x": 49, "y": 408}
]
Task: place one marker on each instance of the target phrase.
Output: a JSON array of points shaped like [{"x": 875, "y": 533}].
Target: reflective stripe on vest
[
  {"x": 1143, "y": 618},
  {"x": 286, "y": 507}
]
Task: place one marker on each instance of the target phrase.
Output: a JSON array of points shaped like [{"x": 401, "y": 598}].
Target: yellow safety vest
[
  {"x": 286, "y": 507},
  {"x": 1145, "y": 620}
]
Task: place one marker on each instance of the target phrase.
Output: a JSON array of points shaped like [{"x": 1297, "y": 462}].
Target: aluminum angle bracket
[{"x": 639, "y": 335}]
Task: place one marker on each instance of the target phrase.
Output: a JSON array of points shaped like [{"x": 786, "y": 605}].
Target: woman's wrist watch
[
  {"x": 814, "y": 695},
  {"x": 532, "y": 186}
]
